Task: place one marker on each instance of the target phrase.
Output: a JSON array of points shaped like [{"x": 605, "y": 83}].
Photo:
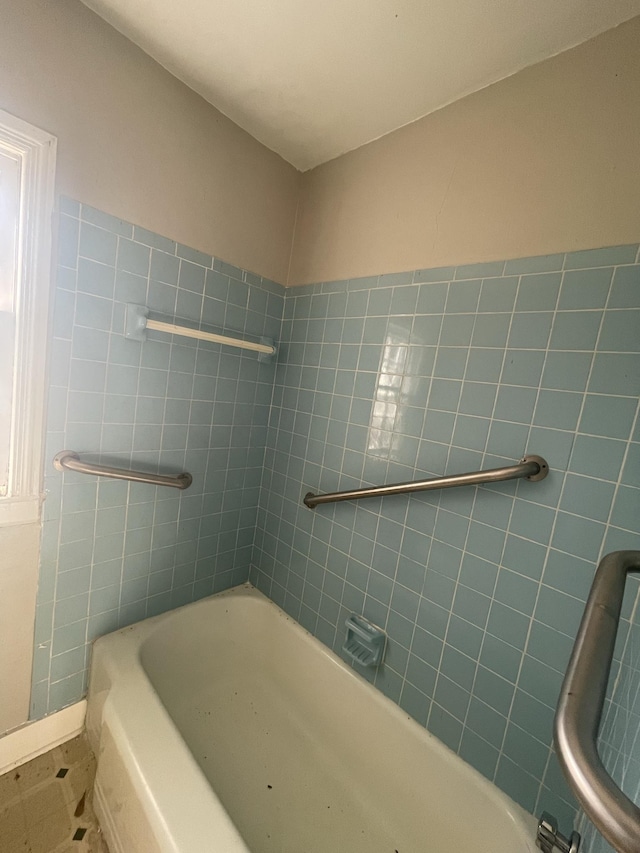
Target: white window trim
[{"x": 37, "y": 152}]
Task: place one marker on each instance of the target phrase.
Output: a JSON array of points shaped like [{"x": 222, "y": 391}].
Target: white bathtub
[{"x": 224, "y": 727}]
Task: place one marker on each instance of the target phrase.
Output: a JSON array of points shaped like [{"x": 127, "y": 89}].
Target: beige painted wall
[
  {"x": 19, "y": 546},
  {"x": 135, "y": 142},
  {"x": 545, "y": 161}
]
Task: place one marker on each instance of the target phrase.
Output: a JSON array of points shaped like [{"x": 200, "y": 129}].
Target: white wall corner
[{"x": 39, "y": 737}]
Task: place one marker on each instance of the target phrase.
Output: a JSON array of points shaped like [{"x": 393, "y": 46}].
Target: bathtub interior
[{"x": 302, "y": 753}]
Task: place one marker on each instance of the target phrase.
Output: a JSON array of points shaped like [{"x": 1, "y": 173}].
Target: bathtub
[{"x": 224, "y": 727}]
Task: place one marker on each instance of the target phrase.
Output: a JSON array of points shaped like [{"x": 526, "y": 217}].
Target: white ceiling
[{"x": 312, "y": 79}]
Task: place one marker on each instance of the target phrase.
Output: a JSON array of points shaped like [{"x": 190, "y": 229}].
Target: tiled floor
[{"x": 46, "y": 804}]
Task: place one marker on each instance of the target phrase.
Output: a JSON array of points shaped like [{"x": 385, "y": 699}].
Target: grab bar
[
  {"x": 70, "y": 461},
  {"x": 137, "y": 322},
  {"x": 531, "y": 467},
  {"x": 580, "y": 707}
]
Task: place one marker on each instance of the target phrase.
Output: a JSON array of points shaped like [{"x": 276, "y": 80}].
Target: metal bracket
[
  {"x": 544, "y": 468},
  {"x": 548, "y": 837}
]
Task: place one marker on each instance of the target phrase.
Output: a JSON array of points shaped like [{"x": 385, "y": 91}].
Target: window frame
[{"x": 37, "y": 152}]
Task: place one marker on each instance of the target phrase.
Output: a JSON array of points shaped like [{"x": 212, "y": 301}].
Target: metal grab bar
[
  {"x": 580, "y": 707},
  {"x": 70, "y": 461},
  {"x": 531, "y": 467}
]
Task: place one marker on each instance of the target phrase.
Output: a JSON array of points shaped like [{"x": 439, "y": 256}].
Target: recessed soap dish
[{"x": 365, "y": 642}]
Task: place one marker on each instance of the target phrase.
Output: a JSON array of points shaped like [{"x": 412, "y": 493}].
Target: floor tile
[{"x": 46, "y": 804}]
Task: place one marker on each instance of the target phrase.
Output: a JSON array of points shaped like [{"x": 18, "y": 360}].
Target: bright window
[
  {"x": 9, "y": 221},
  {"x": 27, "y": 167}
]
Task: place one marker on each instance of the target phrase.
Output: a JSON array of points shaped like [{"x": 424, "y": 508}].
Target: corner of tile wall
[{"x": 377, "y": 380}]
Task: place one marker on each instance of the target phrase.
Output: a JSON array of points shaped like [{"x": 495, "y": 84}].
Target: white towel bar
[{"x": 137, "y": 322}]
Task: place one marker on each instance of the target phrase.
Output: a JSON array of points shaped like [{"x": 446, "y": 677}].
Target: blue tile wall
[
  {"x": 398, "y": 377},
  {"x": 114, "y": 552},
  {"x": 377, "y": 380}
]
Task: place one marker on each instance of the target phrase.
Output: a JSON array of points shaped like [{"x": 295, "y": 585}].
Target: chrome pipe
[
  {"x": 548, "y": 838},
  {"x": 581, "y": 701},
  {"x": 67, "y": 460},
  {"x": 531, "y": 467}
]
